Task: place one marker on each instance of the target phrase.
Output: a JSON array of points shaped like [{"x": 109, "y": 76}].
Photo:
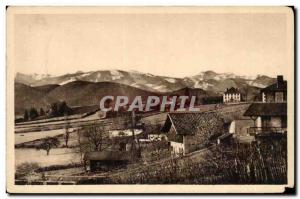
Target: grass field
[
  {"x": 31, "y": 136},
  {"x": 57, "y": 156},
  {"x": 53, "y": 124}
]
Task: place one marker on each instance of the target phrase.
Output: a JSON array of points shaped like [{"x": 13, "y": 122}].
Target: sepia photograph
[{"x": 150, "y": 99}]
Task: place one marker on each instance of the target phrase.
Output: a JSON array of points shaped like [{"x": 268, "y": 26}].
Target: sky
[{"x": 168, "y": 44}]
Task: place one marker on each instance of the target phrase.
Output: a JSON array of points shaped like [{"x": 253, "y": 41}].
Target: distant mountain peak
[
  {"x": 207, "y": 80},
  {"x": 79, "y": 72},
  {"x": 210, "y": 72},
  {"x": 77, "y": 88}
]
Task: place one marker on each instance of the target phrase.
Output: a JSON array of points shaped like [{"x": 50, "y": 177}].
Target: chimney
[{"x": 279, "y": 81}]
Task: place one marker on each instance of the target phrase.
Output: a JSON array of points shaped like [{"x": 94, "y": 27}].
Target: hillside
[
  {"x": 81, "y": 93},
  {"x": 47, "y": 88},
  {"x": 27, "y": 97},
  {"x": 78, "y": 93}
]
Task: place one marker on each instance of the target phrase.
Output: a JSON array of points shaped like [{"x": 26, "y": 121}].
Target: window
[
  {"x": 270, "y": 97},
  {"x": 279, "y": 97}
]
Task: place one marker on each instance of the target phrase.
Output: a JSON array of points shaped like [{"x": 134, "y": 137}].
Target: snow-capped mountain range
[{"x": 208, "y": 80}]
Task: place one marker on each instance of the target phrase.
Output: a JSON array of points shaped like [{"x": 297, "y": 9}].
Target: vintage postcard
[{"x": 150, "y": 99}]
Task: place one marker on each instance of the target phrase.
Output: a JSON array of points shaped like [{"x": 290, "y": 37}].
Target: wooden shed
[{"x": 106, "y": 160}]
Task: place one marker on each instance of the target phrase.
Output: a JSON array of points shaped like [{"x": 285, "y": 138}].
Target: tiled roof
[
  {"x": 108, "y": 155},
  {"x": 191, "y": 123},
  {"x": 210, "y": 122},
  {"x": 276, "y": 87},
  {"x": 232, "y": 90},
  {"x": 267, "y": 109}
]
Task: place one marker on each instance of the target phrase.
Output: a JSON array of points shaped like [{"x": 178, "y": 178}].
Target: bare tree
[
  {"x": 67, "y": 132},
  {"x": 48, "y": 143},
  {"x": 96, "y": 136},
  {"x": 82, "y": 145},
  {"x": 26, "y": 168}
]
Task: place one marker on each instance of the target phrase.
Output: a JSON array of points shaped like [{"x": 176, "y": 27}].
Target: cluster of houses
[{"x": 187, "y": 132}]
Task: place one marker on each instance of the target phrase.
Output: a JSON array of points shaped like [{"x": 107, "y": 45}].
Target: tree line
[{"x": 56, "y": 109}]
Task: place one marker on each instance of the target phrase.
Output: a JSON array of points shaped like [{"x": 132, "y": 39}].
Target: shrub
[{"x": 26, "y": 168}]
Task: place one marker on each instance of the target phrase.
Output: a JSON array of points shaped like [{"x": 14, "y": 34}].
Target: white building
[{"x": 232, "y": 95}]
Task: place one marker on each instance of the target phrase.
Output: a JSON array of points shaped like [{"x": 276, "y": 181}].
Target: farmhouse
[
  {"x": 232, "y": 95},
  {"x": 191, "y": 131},
  {"x": 122, "y": 140},
  {"x": 270, "y": 115},
  {"x": 276, "y": 92},
  {"x": 234, "y": 119},
  {"x": 237, "y": 124}
]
